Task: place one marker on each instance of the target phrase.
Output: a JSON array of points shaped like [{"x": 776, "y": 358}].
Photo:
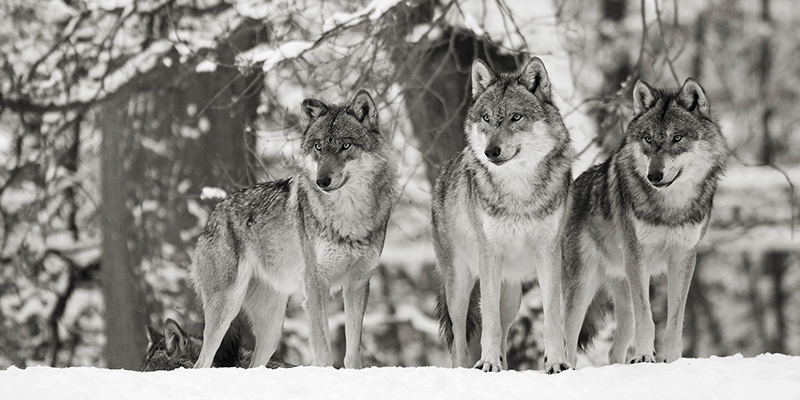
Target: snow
[
  {"x": 374, "y": 9},
  {"x": 206, "y": 66},
  {"x": 102, "y": 84},
  {"x": 211, "y": 193},
  {"x": 736, "y": 377},
  {"x": 271, "y": 56},
  {"x": 274, "y": 11},
  {"x": 424, "y": 31}
]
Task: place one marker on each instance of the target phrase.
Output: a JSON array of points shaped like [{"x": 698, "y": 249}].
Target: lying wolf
[{"x": 176, "y": 349}]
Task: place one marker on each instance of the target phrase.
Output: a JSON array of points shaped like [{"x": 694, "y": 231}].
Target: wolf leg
[
  {"x": 639, "y": 284},
  {"x": 317, "y": 290},
  {"x": 579, "y": 285},
  {"x": 491, "y": 283},
  {"x": 549, "y": 272},
  {"x": 679, "y": 272},
  {"x": 266, "y": 309},
  {"x": 355, "y": 303},
  {"x": 623, "y": 314},
  {"x": 458, "y": 290},
  {"x": 219, "y": 309},
  {"x": 510, "y": 297}
]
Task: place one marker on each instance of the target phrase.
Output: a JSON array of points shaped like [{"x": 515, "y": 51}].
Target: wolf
[
  {"x": 174, "y": 349},
  {"x": 323, "y": 227},
  {"x": 640, "y": 213},
  {"x": 497, "y": 213}
]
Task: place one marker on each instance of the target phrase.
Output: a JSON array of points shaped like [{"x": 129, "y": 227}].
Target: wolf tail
[
  {"x": 595, "y": 320},
  {"x": 443, "y": 314}
]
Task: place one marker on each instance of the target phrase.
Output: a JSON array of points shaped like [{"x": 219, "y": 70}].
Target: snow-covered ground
[{"x": 764, "y": 377}]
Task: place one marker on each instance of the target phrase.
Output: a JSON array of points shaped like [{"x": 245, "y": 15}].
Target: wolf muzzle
[
  {"x": 495, "y": 154},
  {"x": 492, "y": 152},
  {"x": 655, "y": 174},
  {"x": 324, "y": 182},
  {"x": 655, "y": 177},
  {"x": 655, "y": 171},
  {"x": 329, "y": 181}
]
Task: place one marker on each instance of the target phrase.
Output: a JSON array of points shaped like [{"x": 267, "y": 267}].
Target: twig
[{"x": 664, "y": 42}]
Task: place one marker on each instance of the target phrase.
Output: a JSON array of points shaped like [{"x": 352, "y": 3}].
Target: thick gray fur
[
  {"x": 322, "y": 228},
  {"x": 640, "y": 213},
  {"x": 497, "y": 213}
]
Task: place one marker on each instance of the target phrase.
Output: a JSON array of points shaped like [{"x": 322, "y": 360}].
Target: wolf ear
[
  {"x": 174, "y": 337},
  {"x": 643, "y": 97},
  {"x": 313, "y": 109},
  {"x": 363, "y": 108},
  {"x": 534, "y": 77},
  {"x": 152, "y": 336},
  {"x": 693, "y": 98},
  {"x": 482, "y": 77}
]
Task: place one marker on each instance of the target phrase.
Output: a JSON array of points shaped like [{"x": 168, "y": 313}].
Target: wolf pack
[{"x": 505, "y": 211}]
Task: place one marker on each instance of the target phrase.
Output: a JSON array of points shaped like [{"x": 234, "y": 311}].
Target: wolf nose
[
  {"x": 492, "y": 152},
  {"x": 324, "y": 182},
  {"x": 655, "y": 177}
]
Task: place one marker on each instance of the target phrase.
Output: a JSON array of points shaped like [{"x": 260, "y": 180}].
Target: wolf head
[
  {"x": 512, "y": 116},
  {"x": 171, "y": 350},
  {"x": 672, "y": 137},
  {"x": 177, "y": 349},
  {"x": 337, "y": 138}
]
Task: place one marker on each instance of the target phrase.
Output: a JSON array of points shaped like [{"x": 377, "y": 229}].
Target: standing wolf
[
  {"x": 642, "y": 212},
  {"x": 497, "y": 215},
  {"x": 324, "y": 226}
]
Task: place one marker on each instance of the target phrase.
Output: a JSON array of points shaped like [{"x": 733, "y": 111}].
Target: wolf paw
[
  {"x": 644, "y": 358},
  {"x": 489, "y": 366},
  {"x": 556, "y": 368}
]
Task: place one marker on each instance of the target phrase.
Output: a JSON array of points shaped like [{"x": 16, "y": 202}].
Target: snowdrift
[{"x": 769, "y": 376}]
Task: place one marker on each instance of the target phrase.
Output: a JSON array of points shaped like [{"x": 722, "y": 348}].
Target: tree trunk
[
  {"x": 775, "y": 263},
  {"x": 172, "y": 132},
  {"x": 768, "y": 148},
  {"x": 125, "y": 308}
]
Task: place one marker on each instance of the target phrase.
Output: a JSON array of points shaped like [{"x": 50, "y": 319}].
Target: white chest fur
[
  {"x": 519, "y": 245},
  {"x": 332, "y": 259},
  {"x": 684, "y": 237},
  {"x": 662, "y": 244}
]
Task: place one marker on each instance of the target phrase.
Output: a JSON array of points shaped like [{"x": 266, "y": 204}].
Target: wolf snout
[
  {"x": 659, "y": 181},
  {"x": 655, "y": 176},
  {"x": 330, "y": 183},
  {"x": 324, "y": 182},
  {"x": 496, "y": 155},
  {"x": 492, "y": 151}
]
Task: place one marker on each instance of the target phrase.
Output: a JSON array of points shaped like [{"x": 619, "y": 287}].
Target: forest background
[{"x": 116, "y": 114}]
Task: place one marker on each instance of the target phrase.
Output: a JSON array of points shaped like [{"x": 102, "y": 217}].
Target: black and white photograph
[{"x": 399, "y": 199}]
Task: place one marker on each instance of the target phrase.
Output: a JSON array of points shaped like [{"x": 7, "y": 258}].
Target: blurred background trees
[{"x": 115, "y": 114}]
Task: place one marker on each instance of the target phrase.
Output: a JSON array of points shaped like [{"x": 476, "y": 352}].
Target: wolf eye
[
  {"x": 648, "y": 138},
  {"x": 677, "y": 138},
  {"x": 486, "y": 117},
  {"x": 346, "y": 146},
  {"x": 516, "y": 117},
  {"x": 318, "y": 146}
]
